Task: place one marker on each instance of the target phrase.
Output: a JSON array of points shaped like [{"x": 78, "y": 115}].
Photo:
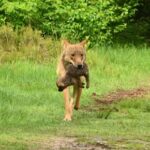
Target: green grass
[{"x": 31, "y": 108}]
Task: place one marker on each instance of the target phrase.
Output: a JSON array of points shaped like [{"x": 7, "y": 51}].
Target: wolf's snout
[{"x": 80, "y": 66}]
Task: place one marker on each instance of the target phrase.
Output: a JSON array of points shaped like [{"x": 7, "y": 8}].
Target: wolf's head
[{"x": 74, "y": 53}]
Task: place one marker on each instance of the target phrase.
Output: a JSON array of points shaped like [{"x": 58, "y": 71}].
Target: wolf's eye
[
  {"x": 72, "y": 55},
  {"x": 81, "y": 55}
]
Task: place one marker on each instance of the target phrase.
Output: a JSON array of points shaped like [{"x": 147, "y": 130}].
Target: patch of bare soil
[
  {"x": 102, "y": 102},
  {"x": 72, "y": 144},
  {"x": 65, "y": 143},
  {"x": 122, "y": 143},
  {"x": 120, "y": 94}
]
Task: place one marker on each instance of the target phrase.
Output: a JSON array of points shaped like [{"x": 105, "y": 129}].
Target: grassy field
[{"x": 31, "y": 108}]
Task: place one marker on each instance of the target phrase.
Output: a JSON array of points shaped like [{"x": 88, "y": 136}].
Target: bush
[
  {"x": 26, "y": 43},
  {"x": 97, "y": 20},
  {"x": 8, "y": 38}
]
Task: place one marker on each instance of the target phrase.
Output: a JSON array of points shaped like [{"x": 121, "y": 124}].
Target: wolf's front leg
[
  {"x": 68, "y": 105},
  {"x": 77, "y": 91}
]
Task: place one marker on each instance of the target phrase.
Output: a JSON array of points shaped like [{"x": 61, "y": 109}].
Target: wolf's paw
[{"x": 67, "y": 117}]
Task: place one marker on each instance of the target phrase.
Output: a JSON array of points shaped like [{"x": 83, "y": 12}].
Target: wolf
[{"x": 74, "y": 54}]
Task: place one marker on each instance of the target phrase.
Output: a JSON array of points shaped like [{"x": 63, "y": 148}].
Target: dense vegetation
[
  {"x": 98, "y": 20},
  {"x": 26, "y": 43}
]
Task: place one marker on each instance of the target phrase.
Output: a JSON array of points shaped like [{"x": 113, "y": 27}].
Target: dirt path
[
  {"x": 103, "y": 102},
  {"x": 70, "y": 143},
  {"x": 120, "y": 94}
]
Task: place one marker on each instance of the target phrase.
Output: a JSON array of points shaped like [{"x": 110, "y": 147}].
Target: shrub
[
  {"x": 8, "y": 38},
  {"x": 97, "y": 20},
  {"x": 26, "y": 43}
]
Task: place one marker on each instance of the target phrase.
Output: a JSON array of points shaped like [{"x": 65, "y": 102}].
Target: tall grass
[{"x": 26, "y": 43}]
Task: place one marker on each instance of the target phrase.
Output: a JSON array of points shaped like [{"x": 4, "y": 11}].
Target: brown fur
[
  {"x": 73, "y": 75},
  {"x": 74, "y": 54}
]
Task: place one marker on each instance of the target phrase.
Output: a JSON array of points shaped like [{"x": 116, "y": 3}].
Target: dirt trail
[
  {"x": 102, "y": 102},
  {"x": 93, "y": 143},
  {"x": 71, "y": 143},
  {"x": 120, "y": 94}
]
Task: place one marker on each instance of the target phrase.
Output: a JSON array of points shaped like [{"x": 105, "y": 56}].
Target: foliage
[
  {"x": 18, "y": 13},
  {"x": 138, "y": 30},
  {"x": 26, "y": 43},
  {"x": 136, "y": 33},
  {"x": 97, "y": 20},
  {"x": 8, "y": 38}
]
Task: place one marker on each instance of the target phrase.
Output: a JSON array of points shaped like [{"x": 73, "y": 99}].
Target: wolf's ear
[
  {"x": 65, "y": 43},
  {"x": 83, "y": 43}
]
